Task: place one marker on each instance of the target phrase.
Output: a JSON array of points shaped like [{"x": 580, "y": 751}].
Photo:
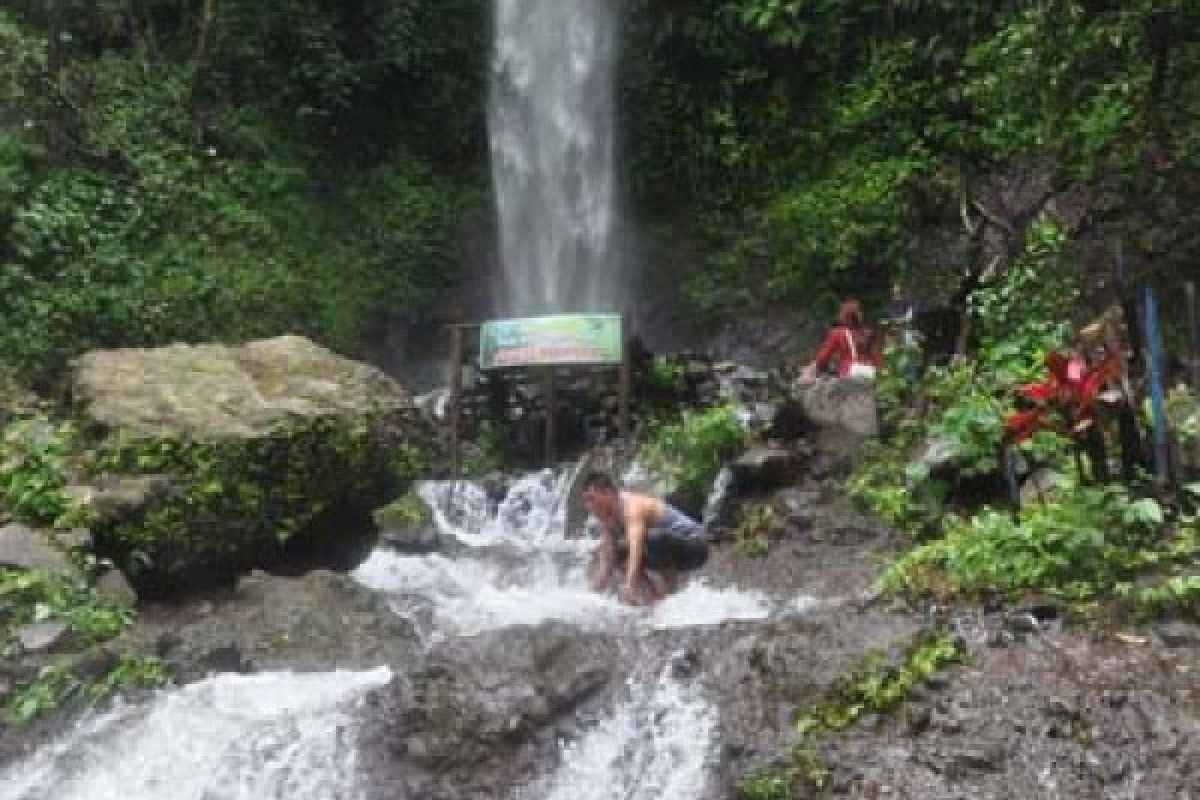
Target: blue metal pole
[{"x": 1157, "y": 398}]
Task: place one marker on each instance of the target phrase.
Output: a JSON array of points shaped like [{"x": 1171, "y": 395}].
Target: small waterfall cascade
[
  {"x": 274, "y": 736},
  {"x": 514, "y": 565},
  {"x": 506, "y": 562},
  {"x": 657, "y": 744},
  {"x": 551, "y": 126}
]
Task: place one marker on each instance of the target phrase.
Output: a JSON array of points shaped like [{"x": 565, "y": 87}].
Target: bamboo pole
[
  {"x": 456, "y": 358},
  {"x": 1157, "y": 395},
  {"x": 551, "y": 432}
]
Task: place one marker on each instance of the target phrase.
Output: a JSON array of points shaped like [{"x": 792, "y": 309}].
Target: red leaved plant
[{"x": 1068, "y": 394}]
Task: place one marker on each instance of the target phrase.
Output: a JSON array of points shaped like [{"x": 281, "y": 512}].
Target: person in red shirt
[{"x": 851, "y": 342}]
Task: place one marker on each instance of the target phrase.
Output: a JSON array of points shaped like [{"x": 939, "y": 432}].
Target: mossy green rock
[
  {"x": 275, "y": 443},
  {"x": 407, "y": 524}
]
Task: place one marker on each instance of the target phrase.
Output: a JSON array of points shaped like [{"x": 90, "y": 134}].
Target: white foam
[
  {"x": 658, "y": 745},
  {"x": 468, "y": 595},
  {"x": 697, "y": 604},
  {"x": 273, "y": 736}
]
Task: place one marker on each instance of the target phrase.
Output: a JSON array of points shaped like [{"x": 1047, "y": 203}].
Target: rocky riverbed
[
  {"x": 470, "y": 660},
  {"x": 506, "y": 678}
]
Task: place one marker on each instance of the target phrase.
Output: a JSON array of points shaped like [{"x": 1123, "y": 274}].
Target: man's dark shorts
[{"x": 670, "y": 551}]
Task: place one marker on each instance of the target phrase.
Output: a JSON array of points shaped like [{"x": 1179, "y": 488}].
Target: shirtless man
[{"x": 644, "y": 533}]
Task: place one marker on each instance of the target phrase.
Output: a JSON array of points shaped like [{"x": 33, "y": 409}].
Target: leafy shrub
[
  {"x": 38, "y": 597},
  {"x": 56, "y": 685},
  {"x": 33, "y": 470},
  {"x": 691, "y": 450},
  {"x": 1080, "y": 543}
]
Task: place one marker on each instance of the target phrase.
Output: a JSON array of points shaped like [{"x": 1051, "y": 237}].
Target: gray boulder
[
  {"x": 321, "y": 621},
  {"x": 113, "y": 586},
  {"x": 482, "y": 712},
  {"x": 222, "y": 456},
  {"x": 40, "y": 637},
  {"x": 843, "y": 411},
  {"x": 213, "y": 390},
  {"x": 24, "y": 547}
]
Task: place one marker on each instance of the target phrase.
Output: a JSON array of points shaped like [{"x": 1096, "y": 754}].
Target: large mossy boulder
[{"x": 274, "y": 446}]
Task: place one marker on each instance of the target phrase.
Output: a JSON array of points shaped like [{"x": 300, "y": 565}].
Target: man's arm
[
  {"x": 604, "y": 574},
  {"x": 635, "y": 531}
]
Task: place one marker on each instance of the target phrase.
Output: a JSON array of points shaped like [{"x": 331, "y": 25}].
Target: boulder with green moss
[
  {"x": 255, "y": 450},
  {"x": 407, "y": 524}
]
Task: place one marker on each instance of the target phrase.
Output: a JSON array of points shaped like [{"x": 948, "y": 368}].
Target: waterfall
[
  {"x": 551, "y": 125},
  {"x": 286, "y": 735},
  {"x": 276, "y": 736},
  {"x": 657, "y": 744},
  {"x": 516, "y": 566}
]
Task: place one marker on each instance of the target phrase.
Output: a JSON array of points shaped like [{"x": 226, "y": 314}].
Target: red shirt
[{"x": 837, "y": 343}]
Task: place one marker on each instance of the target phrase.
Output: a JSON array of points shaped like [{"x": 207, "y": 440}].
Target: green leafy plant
[
  {"x": 755, "y": 523},
  {"x": 132, "y": 671},
  {"x": 34, "y": 596},
  {"x": 54, "y": 685},
  {"x": 1079, "y": 544},
  {"x": 878, "y": 687},
  {"x": 33, "y": 469},
  {"x": 691, "y": 449},
  {"x": 766, "y": 784}
]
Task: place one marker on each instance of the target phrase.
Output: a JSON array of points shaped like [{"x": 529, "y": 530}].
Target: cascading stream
[
  {"x": 275, "y": 736},
  {"x": 283, "y": 735},
  {"x": 551, "y": 121}
]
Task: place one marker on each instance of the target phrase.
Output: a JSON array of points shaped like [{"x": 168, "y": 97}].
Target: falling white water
[
  {"x": 275, "y": 736},
  {"x": 658, "y": 744},
  {"x": 518, "y": 568},
  {"x": 550, "y": 120}
]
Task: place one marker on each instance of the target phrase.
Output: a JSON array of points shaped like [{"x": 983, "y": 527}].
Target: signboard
[{"x": 547, "y": 341}]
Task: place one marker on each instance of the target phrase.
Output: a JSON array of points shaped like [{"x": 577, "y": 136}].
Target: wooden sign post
[{"x": 541, "y": 346}]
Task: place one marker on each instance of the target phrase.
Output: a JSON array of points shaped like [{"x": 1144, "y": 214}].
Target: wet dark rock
[
  {"x": 918, "y": 718},
  {"x": 1179, "y": 634},
  {"x": 761, "y": 468},
  {"x": 482, "y": 712},
  {"x": 979, "y": 758},
  {"x": 1022, "y": 622},
  {"x": 320, "y": 621}
]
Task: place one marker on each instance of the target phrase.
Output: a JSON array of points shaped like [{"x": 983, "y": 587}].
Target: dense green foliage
[
  {"x": 1077, "y": 540},
  {"x": 58, "y": 684},
  {"x": 33, "y": 596},
  {"x": 1084, "y": 542},
  {"x": 181, "y": 170},
  {"x": 806, "y": 139},
  {"x": 219, "y": 169}
]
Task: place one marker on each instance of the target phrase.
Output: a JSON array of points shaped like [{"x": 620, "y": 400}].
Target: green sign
[{"x": 544, "y": 341}]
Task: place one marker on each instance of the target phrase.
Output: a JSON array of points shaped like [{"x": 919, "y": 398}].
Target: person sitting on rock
[
  {"x": 643, "y": 533},
  {"x": 852, "y": 342}
]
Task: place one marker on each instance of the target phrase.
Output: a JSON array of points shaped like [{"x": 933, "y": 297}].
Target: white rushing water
[
  {"x": 275, "y": 736},
  {"x": 658, "y": 745},
  {"x": 282, "y": 735},
  {"x": 551, "y": 122},
  {"x": 519, "y": 568}
]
